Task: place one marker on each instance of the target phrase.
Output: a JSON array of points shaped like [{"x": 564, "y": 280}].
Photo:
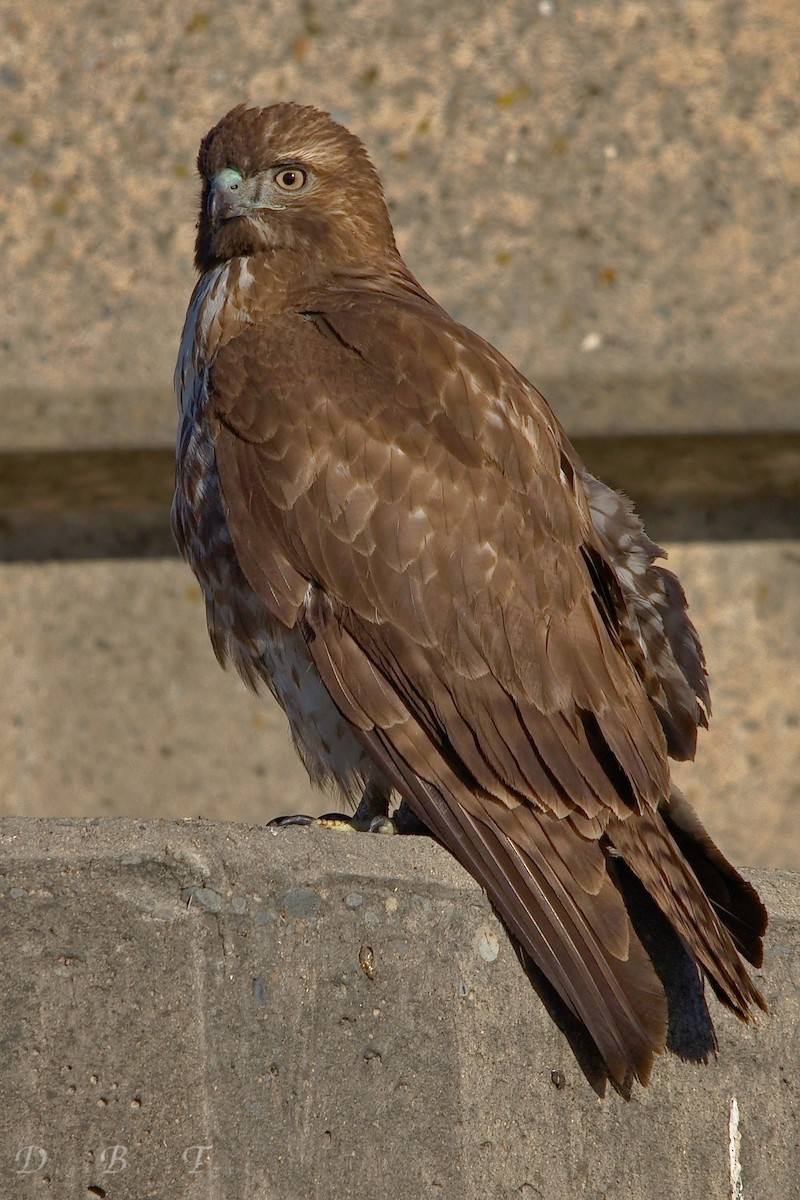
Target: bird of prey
[{"x": 394, "y": 534}]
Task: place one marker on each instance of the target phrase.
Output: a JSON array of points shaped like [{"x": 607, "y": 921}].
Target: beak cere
[{"x": 225, "y": 198}]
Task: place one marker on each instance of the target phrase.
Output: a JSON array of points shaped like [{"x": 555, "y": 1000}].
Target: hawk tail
[
  {"x": 717, "y": 914},
  {"x": 553, "y": 890}
]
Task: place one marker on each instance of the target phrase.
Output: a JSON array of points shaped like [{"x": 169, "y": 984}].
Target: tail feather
[
  {"x": 565, "y": 899},
  {"x": 735, "y": 901},
  {"x": 582, "y": 941},
  {"x": 691, "y": 1031},
  {"x": 648, "y": 847}
]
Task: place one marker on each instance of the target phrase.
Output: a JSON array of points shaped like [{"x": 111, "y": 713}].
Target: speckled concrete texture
[
  {"x": 603, "y": 190},
  {"x": 218, "y": 1011},
  {"x": 115, "y": 703},
  {"x": 745, "y": 781}
]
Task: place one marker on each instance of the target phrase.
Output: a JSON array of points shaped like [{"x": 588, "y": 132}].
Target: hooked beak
[{"x": 225, "y": 196}]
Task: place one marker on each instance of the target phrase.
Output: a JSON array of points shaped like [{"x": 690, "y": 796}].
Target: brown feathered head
[{"x": 289, "y": 177}]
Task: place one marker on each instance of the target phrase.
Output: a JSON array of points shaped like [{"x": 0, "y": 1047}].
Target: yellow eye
[{"x": 291, "y": 179}]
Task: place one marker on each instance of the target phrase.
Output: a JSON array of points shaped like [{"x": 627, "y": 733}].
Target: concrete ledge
[{"x": 202, "y": 1010}]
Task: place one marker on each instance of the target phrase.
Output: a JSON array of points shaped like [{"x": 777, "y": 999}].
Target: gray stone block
[{"x": 195, "y": 1010}]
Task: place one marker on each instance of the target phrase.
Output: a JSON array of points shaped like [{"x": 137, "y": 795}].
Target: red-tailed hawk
[{"x": 393, "y": 532}]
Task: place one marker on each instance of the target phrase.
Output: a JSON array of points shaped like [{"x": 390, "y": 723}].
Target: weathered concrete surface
[
  {"x": 746, "y": 777},
  {"x": 610, "y": 193},
  {"x": 112, "y": 701},
  {"x": 184, "y": 995}
]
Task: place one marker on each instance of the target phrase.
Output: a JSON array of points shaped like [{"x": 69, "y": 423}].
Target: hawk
[{"x": 394, "y": 534}]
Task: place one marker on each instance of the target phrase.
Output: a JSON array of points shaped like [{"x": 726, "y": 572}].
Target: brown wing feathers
[
  {"x": 439, "y": 626},
  {"x": 654, "y": 627}
]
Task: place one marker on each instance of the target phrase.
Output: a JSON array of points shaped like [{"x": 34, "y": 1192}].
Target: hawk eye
[{"x": 291, "y": 179}]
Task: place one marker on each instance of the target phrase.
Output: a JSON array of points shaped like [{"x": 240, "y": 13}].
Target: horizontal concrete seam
[
  {"x": 90, "y": 504},
  {"x": 765, "y": 464}
]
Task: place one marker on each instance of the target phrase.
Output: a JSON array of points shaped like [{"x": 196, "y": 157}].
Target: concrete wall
[
  {"x": 609, "y": 192},
  {"x": 219, "y": 1011}
]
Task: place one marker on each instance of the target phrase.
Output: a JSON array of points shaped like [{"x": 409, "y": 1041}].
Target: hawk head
[{"x": 288, "y": 177}]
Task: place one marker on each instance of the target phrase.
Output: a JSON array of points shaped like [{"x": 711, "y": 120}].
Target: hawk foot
[
  {"x": 340, "y": 821},
  {"x": 371, "y": 816}
]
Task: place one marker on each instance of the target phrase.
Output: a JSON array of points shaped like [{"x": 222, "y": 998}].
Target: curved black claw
[
  {"x": 371, "y": 816},
  {"x": 295, "y": 819},
  {"x": 332, "y": 820}
]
